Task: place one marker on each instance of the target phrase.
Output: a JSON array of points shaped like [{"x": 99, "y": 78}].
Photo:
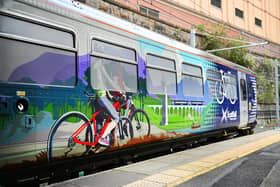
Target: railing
[
  {"x": 266, "y": 114},
  {"x": 181, "y": 110},
  {"x": 266, "y": 117}
]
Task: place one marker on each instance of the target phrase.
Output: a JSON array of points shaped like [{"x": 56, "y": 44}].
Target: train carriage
[{"x": 53, "y": 52}]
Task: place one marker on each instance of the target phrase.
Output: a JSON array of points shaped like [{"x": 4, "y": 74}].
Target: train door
[{"x": 243, "y": 99}]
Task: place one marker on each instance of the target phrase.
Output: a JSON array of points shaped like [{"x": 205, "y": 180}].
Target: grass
[{"x": 176, "y": 120}]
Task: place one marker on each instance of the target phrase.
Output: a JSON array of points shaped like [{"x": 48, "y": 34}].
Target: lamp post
[{"x": 276, "y": 92}]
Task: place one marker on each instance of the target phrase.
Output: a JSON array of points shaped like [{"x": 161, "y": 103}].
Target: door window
[{"x": 243, "y": 90}]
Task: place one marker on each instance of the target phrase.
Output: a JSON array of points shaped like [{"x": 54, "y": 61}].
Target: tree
[{"x": 212, "y": 41}]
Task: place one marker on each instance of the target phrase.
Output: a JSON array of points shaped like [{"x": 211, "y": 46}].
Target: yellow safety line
[{"x": 235, "y": 153}]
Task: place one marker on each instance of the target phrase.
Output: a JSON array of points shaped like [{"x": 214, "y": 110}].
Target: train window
[
  {"x": 113, "y": 50},
  {"x": 161, "y": 75},
  {"x": 230, "y": 86},
  {"x": 109, "y": 74},
  {"x": 10, "y": 25},
  {"x": 192, "y": 80},
  {"x": 229, "y": 78},
  {"x": 214, "y": 75},
  {"x": 243, "y": 89},
  {"x": 161, "y": 82},
  {"x": 36, "y": 64},
  {"x": 160, "y": 62},
  {"x": 214, "y": 78},
  {"x": 221, "y": 83},
  {"x": 113, "y": 67},
  {"x": 191, "y": 70}
]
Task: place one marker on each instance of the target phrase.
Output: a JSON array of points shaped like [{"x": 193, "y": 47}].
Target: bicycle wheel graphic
[
  {"x": 219, "y": 90},
  {"x": 232, "y": 97},
  {"x": 140, "y": 123},
  {"x": 60, "y": 140}
]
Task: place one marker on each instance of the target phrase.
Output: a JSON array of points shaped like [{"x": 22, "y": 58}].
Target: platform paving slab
[
  {"x": 103, "y": 179},
  {"x": 273, "y": 178},
  {"x": 210, "y": 178},
  {"x": 145, "y": 183}
]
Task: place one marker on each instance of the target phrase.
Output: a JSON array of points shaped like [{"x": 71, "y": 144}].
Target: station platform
[{"x": 177, "y": 168}]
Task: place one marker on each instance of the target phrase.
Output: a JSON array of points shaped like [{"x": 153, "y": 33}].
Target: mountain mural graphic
[{"x": 49, "y": 69}]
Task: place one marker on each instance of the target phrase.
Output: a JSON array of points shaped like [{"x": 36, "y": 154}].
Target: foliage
[
  {"x": 266, "y": 66},
  {"x": 211, "y": 41},
  {"x": 265, "y": 81},
  {"x": 267, "y": 89}
]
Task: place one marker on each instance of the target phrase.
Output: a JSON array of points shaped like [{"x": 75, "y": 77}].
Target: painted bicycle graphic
[
  {"x": 226, "y": 88},
  {"x": 74, "y": 134}
]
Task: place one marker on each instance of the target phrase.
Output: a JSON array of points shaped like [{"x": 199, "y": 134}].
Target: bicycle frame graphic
[
  {"x": 225, "y": 89},
  {"x": 96, "y": 138}
]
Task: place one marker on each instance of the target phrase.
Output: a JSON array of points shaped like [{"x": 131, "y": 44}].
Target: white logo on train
[
  {"x": 226, "y": 88},
  {"x": 227, "y": 115}
]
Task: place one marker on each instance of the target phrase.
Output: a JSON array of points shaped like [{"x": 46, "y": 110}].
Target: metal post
[
  {"x": 192, "y": 38},
  {"x": 276, "y": 92}
]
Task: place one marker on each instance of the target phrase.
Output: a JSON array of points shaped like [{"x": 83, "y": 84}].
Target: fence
[{"x": 266, "y": 113}]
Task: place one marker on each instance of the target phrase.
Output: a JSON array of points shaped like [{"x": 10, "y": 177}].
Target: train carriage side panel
[{"x": 65, "y": 72}]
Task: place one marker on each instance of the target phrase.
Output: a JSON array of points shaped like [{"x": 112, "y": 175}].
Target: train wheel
[
  {"x": 140, "y": 123},
  {"x": 61, "y": 142}
]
